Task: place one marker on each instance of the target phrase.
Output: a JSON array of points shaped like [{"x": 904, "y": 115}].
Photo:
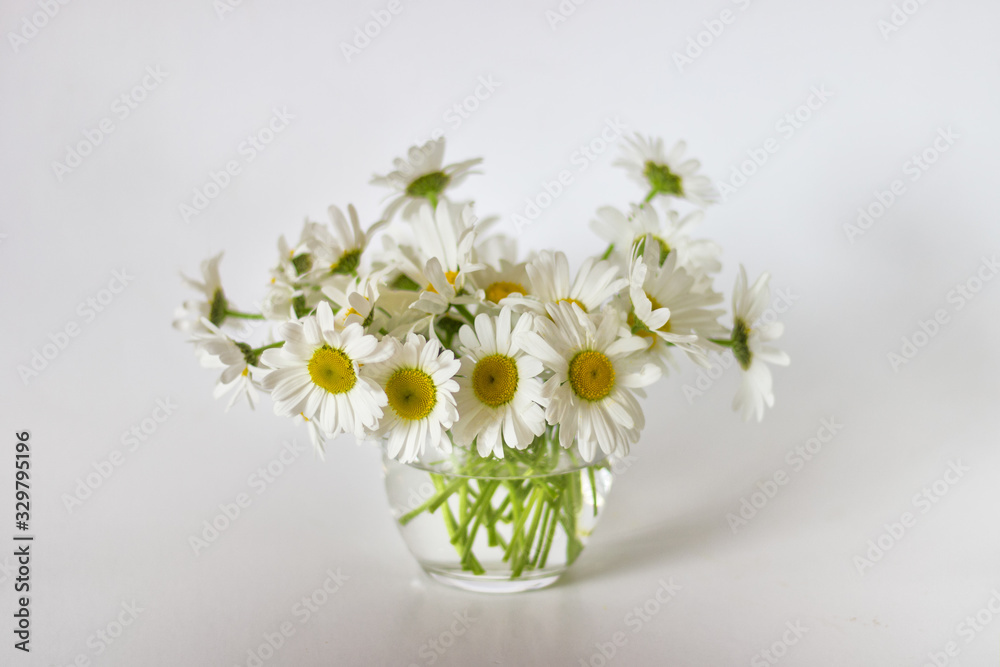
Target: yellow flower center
[
  {"x": 569, "y": 300},
  {"x": 332, "y": 370},
  {"x": 503, "y": 289},
  {"x": 449, "y": 276},
  {"x": 411, "y": 393},
  {"x": 494, "y": 380},
  {"x": 591, "y": 375},
  {"x": 644, "y": 331}
]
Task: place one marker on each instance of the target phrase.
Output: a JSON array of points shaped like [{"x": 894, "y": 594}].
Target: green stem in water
[
  {"x": 432, "y": 503},
  {"x": 593, "y": 487}
]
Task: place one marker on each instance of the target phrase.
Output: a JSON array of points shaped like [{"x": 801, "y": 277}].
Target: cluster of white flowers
[{"x": 447, "y": 337}]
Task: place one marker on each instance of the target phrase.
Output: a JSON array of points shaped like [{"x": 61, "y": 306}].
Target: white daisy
[
  {"x": 422, "y": 177},
  {"x": 217, "y": 350},
  {"x": 549, "y": 283},
  {"x": 316, "y": 374},
  {"x": 440, "y": 261},
  {"x": 596, "y": 371},
  {"x": 337, "y": 250},
  {"x": 625, "y": 232},
  {"x": 356, "y": 301},
  {"x": 500, "y": 395},
  {"x": 213, "y": 304},
  {"x": 666, "y": 173},
  {"x": 667, "y": 308},
  {"x": 748, "y": 343},
  {"x": 502, "y": 275},
  {"x": 417, "y": 380}
]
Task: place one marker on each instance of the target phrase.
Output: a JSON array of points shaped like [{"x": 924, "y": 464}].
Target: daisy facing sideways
[
  {"x": 670, "y": 234},
  {"x": 595, "y": 374},
  {"x": 668, "y": 309},
  {"x": 217, "y": 350},
  {"x": 417, "y": 381},
  {"x": 749, "y": 344},
  {"x": 337, "y": 250},
  {"x": 422, "y": 177},
  {"x": 549, "y": 277},
  {"x": 666, "y": 173},
  {"x": 499, "y": 395},
  {"x": 316, "y": 373}
]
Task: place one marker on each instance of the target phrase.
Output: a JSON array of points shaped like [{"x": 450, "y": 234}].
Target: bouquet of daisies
[{"x": 447, "y": 336}]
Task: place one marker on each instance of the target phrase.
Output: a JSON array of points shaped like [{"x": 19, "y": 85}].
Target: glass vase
[{"x": 497, "y": 525}]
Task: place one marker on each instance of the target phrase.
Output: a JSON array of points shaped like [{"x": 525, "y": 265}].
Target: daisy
[
  {"x": 316, "y": 374},
  {"x": 217, "y": 350},
  {"x": 337, "y": 250},
  {"x": 502, "y": 275},
  {"x": 595, "y": 375},
  {"x": 441, "y": 259},
  {"x": 625, "y": 232},
  {"x": 417, "y": 380},
  {"x": 499, "y": 396},
  {"x": 748, "y": 342},
  {"x": 285, "y": 298},
  {"x": 667, "y": 309},
  {"x": 213, "y": 305},
  {"x": 666, "y": 173},
  {"x": 549, "y": 283},
  {"x": 422, "y": 177}
]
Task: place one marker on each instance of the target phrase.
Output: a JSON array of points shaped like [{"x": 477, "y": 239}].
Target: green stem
[
  {"x": 593, "y": 486},
  {"x": 435, "y": 501},
  {"x": 258, "y": 350},
  {"x": 464, "y": 312},
  {"x": 551, "y": 533},
  {"x": 724, "y": 342},
  {"x": 244, "y": 316}
]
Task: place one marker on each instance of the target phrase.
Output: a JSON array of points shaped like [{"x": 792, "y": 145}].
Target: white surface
[{"x": 794, "y": 562}]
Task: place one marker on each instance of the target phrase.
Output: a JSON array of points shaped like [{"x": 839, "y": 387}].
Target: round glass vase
[{"x": 497, "y": 525}]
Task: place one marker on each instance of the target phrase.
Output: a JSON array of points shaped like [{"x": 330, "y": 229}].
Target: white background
[{"x": 853, "y": 302}]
